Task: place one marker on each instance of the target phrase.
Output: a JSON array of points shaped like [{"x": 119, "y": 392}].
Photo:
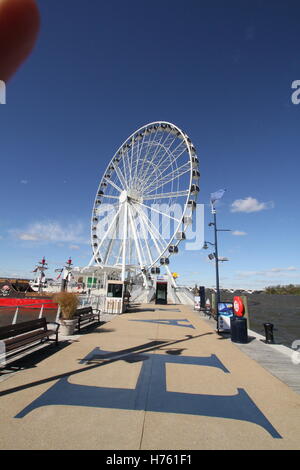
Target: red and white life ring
[{"x": 238, "y": 306}]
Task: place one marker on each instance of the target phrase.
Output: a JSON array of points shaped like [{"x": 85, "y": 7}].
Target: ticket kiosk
[{"x": 117, "y": 297}]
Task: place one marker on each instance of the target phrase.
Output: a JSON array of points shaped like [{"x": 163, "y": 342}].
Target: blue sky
[{"x": 221, "y": 71}]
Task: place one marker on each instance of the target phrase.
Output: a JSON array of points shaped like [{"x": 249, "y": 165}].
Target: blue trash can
[{"x": 239, "y": 330}]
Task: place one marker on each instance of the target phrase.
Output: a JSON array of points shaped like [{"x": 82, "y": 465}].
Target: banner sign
[{"x": 225, "y": 309}]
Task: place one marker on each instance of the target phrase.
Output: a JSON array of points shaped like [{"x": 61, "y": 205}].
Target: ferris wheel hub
[
  {"x": 123, "y": 196},
  {"x": 130, "y": 195}
]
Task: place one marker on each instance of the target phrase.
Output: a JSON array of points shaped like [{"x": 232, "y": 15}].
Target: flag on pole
[{"x": 217, "y": 195}]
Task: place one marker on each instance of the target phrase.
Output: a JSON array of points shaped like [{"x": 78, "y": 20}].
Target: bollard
[{"x": 269, "y": 333}]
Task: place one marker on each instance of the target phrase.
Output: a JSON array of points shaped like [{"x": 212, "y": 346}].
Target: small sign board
[
  {"x": 225, "y": 311},
  {"x": 224, "y": 323},
  {"x": 197, "y": 302}
]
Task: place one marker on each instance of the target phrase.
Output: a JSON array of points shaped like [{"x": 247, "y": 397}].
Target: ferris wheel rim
[{"x": 187, "y": 193}]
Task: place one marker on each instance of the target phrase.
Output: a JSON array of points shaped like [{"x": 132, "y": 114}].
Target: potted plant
[{"x": 68, "y": 303}]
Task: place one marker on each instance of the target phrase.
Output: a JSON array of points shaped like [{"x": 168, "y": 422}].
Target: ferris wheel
[{"x": 145, "y": 200}]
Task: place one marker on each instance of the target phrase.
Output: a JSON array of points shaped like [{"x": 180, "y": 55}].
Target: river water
[{"x": 281, "y": 310}]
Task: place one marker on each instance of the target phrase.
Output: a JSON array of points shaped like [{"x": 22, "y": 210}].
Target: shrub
[
  {"x": 68, "y": 302},
  {"x": 291, "y": 289}
]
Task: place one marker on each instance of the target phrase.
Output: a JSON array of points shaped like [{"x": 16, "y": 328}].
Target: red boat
[{"x": 18, "y": 293}]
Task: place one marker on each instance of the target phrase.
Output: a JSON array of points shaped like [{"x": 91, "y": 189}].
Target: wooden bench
[
  {"x": 86, "y": 314},
  {"x": 19, "y": 337}
]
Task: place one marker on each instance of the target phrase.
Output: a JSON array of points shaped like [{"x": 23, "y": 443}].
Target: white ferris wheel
[{"x": 145, "y": 201}]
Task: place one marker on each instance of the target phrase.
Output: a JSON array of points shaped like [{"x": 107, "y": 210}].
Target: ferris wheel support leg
[
  {"x": 173, "y": 282},
  {"x": 146, "y": 283},
  {"x": 124, "y": 242}
]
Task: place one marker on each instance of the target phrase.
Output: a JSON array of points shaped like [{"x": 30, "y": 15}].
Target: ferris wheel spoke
[
  {"x": 135, "y": 238},
  {"x": 154, "y": 238},
  {"x": 124, "y": 161},
  {"x": 146, "y": 241},
  {"x": 182, "y": 170},
  {"x": 149, "y": 224},
  {"x": 149, "y": 197},
  {"x": 133, "y": 149},
  {"x": 109, "y": 196},
  {"x": 105, "y": 236},
  {"x": 121, "y": 177},
  {"x": 102, "y": 209},
  {"x": 145, "y": 236},
  {"x": 149, "y": 148},
  {"x": 138, "y": 155},
  {"x": 160, "y": 146},
  {"x": 113, "y": 185},
  {"x": 111, "y": 242},
  {"x": 173, "y": 154},
  {"x": 158, "y": 212},
  {"x": 126, "y": 165}
]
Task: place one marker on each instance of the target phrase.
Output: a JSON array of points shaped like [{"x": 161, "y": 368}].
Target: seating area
[
  {"x": 85, "y": 316},
  {"x": 20, "y": 337}
]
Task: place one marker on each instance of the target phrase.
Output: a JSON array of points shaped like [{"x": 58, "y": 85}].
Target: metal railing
[
  {"x": 95, "y": 301},
  {"x": 40, "y": 314}
]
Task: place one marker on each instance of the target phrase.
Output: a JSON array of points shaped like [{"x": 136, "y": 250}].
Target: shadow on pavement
[{"x": 125, "y": 354}]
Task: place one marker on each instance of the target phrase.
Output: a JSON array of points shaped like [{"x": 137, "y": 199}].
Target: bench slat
[
  {"x": 17, "y": 344},
  {"x": 24, "y": 327},
  {"x": 19, "y": 335}
]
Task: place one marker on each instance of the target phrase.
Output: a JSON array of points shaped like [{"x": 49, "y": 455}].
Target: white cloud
[
  {"x": 279, "y": 270},
  {"x": 51, "y": 232},
  {"x": 250, "y": 204},
  {"x": 74, "y": 247},
  {"x": 24, "y": 182},
  {"x": 237, "y": 233},
  {"x": 27, "y": 237},
  {"x": 268, "y": 273}
]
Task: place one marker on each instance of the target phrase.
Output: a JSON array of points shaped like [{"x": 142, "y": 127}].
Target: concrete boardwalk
[{"x": 156, "y": 378}]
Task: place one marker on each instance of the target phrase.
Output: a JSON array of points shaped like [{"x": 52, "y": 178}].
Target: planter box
[{"x": 67, "y": 327}]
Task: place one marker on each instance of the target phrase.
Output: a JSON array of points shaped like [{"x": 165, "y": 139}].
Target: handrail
[
  {"x": 15, "y": 317},
  {"x": 25, "y": 306}
]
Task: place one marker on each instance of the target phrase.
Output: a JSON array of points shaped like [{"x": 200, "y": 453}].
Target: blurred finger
[{"x": 19, "y": 26}]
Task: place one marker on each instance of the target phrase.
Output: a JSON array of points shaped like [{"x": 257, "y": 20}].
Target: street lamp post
[
  {"x": 216, "y": 256},
  {"x": 217, "y": 260}
]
